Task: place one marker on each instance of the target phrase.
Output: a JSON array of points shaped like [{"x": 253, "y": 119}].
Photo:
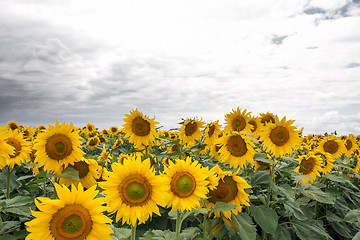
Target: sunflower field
[{"x": 256, "y": 177}]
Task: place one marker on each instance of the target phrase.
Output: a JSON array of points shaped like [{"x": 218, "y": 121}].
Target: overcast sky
[{"x": 93, "y": 61}]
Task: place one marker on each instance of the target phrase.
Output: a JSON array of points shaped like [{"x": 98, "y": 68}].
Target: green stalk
[
  {"x": 205, "y": 222},
  {"x": 178, "y": 223},
  {"x": 8, "y": 183},
  {"x": 133, "y": 231},
  {"x": 316, "y": 210}
]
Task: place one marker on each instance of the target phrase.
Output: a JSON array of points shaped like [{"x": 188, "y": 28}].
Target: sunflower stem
[
  {"x": 178, "y": 223},
  {"x": 205, "y": 222},
  {"x": 8, "y": 183},
  {"x": 133, "y": 231}
]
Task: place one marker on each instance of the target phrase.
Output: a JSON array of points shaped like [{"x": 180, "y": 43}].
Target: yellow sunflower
[
  {"x": 5, "y": 149},
  {"x": 236, "y": 149},
  {"x": 114, "y": 130},
  {"x": 268, "y": 117},
  {"x": 122, "y": 157},
  {"x": 89, "y": 171},
  {"x": 190, "y": 131},
  {"x": 237, "y": 121},
  {"x": 133, "y": 191},
  {"x": 57, "y": 147},
  {"x": 211, "y": 132},
  {"x": 280, "y": 137},
  {"x": 230, "y": 189},
  {"x": 310, "y": 166},
  {"x": 139, "y": 129},
  {"x": 117, "y": 143},
  {"x": 105, "y": 155},
  {"x": 90, "y": 128},
  {"x": 350, "y": 145},
  {"x": 186, "y": 184},
  {"x": 12, "y": 125},
  {"x": 23, "y": 150},
  {"x": 28, "y": 132},
  {"x": 256, "y": 126},
  {"x": 333, "y": 145},
  {"x": 76, "y": 215},
  {"x": 92, "y": 142},
  {"x": 40, "y": 128},
  {"x": 104, "y": 132},
  {"x": 260, "y": 164},
  {"x": 327, "y": 161}
]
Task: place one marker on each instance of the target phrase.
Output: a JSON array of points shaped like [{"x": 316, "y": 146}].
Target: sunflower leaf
[
  {"x": 69, "y": 173},
  {"x": 244, "y": 226},
  {"x": 318, "y": 195},
  {"x": 266, "y": 217},
  {"x": 223, "y": 207}
]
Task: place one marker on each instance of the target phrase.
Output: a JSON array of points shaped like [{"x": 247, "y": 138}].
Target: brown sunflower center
[
  {"x": 183, "y": 184},
  {"x": 93, "y": 142},
  {"x": 140, "y": 126},
  {"x": 279, "y": 135},
  {"x": 82, "y": 168},
  {"x": 307, "y": 165},
  {"x": 113, "y": 129},
  {"x": 225, "y": 191},
  {"x": 90, "y": 128},
  {"x": 71, "y": 222},
  {"x": 348, "y": 144},
  {"x": 331, "y": 147},
  {"x": 253, "y": 123},
  {"x": 263, "y": 164},
  {"x": 236, "y": 146},
  {"x": 16, "y": 144},
  {"x": 211, "y": 130},
  {"x": 238, "y": 124},
  {"x": 58, "y": 146},
  {"x": 190, "y": 128},
  {"x": 135, "y": 191},
  {"x": 13, "y": 126},
  {"x": 267, "y": 119}
]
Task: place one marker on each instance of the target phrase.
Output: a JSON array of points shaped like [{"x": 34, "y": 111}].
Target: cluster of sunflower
[{"x": 199, "y": 166}]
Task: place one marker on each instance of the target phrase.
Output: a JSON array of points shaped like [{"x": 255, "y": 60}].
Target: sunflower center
[
  {"x": 140, "y": 126},
  {"x": 13, "y": 126},
  {"x": 16, "y": 144},
  {"x": 93, "y": 142},
  {"x": 348, "y": 144},
  {"x": 71, "y": 222},
  {"x": 236, "y": 146},
  {"x": 331, "y": 147},
  {"x": 58, "y": 146},
  {"x": 211, "y": 130},
  {"x": 238, "y": 124},
  {"x": 183, "y": 184},
  {"x": 135, "y": 191},
  {"x": 307, "y": 165},
  {"x": 190, "y": 128},
  {"x": 253, "y": 123},
  {"x": 225, "y": 191},
  {"x": 279, "y": 135},
  {"x": 82, "y": 168},
  {"x": 266, "y": 119}
]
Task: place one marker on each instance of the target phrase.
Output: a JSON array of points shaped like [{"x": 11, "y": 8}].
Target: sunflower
[
  {"x": 104, "y": 132},
  {"x": 190, "y": 131},
  {"x": 92, "y": 142},
  {"x": 114, "y": 130},
  {"x": 105, "y": 155},
  {"x": 260, "y": 164},
  {"x": 16, "y": 139},
  {"x": 90, "y": 128},
  {"x": 133, "y": 191},
  {"x": 6, "y": 150},
  {"x": 117, "y": 143},
  {"x": 310, "y": 166},
  {"x": 40, "y": 128},
  {"x": 327, "y": 161},
  {"x": 230, "y": 189},
  {"x": 89, "y": 171},
  {"x": 350, "y": 144},
  {"x": 28, "y": 132},
  {"x": 237, "y": 149},
  {"x": 256, "y": 126},
  {"x": 280, "y": 137},
  {"x": 268, "y": 117},
  {"x": 237, "y": 121},
  {"x": 211, "y": 132},
  {"x": 57, "y": 147},
  {"x": 333, "y": 145},
  {"x": 185, "y": 184},
  {"x": 139, "y": 129},
  {"x": 76, "y": 215},
  {"x": 12, "y": 125},
  {"x": 122, "y": 157}
]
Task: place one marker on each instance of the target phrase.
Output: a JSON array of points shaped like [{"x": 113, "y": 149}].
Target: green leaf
[
  {"x": 266, "y": 217},
  {"x": 353, "y": 216},
  {"x": 337, "y": 178},
  {"x": 261, "y": 177},
  {"x": 331, "y": 217},
  {"x": 18, "y": 201},
  {"x": 189, "y": 233},
  {"x": 8, "y": 226},
  {"x": 246, "y": 230},
  {"x": 306, "y": 230},
  {"x": 357, "y": 236},
  {"x": 342, "y": 229},
  {"x": 69, "y": 173},
  {"x": 120, "y": 233},
  {"x": 287, "y": 190},
  {"x": 216, "y": 228},
  {"x": 22, "y": 211},
  {"x": 263, "y": 158},
  {"x": 224, "y": 207},
  {"x": 294, "y": 208},
  {"x": 318, "y": 195}
]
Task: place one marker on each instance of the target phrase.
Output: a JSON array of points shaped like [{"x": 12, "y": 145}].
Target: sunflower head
[
  {"x": 93, "y": 142},
  {"x": 237, "y": 121},
  {"x": 268, "y": 117},
  {"x": 211, "y": 132},
  {"x": 190, "y": 131},
  {"x": 140, "y": 129},
  {"x": 21, "y": 146},
  {"x": 333, "y": 145},
  {"x": 12, "y": 125},
  {"x": 310, "y": 166},
  {"x": 114, "y": 130},
  {"x": 75, "y": 215}
]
